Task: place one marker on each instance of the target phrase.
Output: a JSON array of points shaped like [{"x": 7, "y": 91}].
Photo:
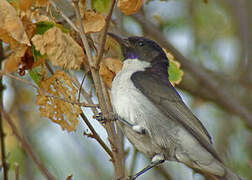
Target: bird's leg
[
  {"x": 156, "y": 160},
  {"x": 137, "y": 128},
  {"x": 102, "y": 119}
]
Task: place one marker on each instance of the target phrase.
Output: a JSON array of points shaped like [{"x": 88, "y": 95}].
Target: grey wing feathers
[{"x": 170, "y": 103}]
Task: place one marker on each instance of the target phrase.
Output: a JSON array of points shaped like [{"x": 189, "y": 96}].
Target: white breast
[{"x": 126, "y": 99}]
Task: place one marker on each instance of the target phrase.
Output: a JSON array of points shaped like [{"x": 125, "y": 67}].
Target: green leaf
[
  {"x": 36, "y": 74},
  {"x": 175, "y": 74},
  {"x": 101, "y": 6},
  {"x": 36, "y": 54},
  {"x": 43, "y": 26}
]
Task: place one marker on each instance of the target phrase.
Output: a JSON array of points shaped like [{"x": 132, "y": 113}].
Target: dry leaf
[
  {"x": 11, "y": 24},
  {"x": 24, "y": 4},
  {"x": 60, "y": 48},
  {"x": 59, "y": 111},
  {"x": 109, "y": 67},
  {"x": 14, "y": 60},
  {"x": 129, "y": 7},
  {"x": 19, "y": 54},
  {"x": 41, "y": 3},
  {"x": 93, "y": 22}
]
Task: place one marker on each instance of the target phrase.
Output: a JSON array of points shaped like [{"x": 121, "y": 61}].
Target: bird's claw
[
  {"x": 139, "y": 129},
  {"x": 104, "y": 118}
]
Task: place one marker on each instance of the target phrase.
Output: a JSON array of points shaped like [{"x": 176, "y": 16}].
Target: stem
[
  {"x": 3, "y": 157},
  {"x": 26, "y": 146},
  {"x": 104, "y": 35},
  {"x": 96, "y": 136},
  {"x": 118, "y": 163}
]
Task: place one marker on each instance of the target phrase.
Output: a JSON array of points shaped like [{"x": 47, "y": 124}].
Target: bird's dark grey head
[{"x": 141, "y": 48}]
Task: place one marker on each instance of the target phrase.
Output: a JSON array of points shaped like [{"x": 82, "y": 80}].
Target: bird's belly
[{"x": 131, "y": 105}]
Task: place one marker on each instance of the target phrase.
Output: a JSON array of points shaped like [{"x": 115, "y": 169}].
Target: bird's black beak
[{"x": 124, "y": 43}]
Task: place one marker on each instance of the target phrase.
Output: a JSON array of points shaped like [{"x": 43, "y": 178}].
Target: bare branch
[
  {"x": 3, "y": 150},
  {"x": 104, "y": 35},
  {"x": 26, "y": 146},
  {"x": 64, "y": 16},
  {"x": 118, "y": 159},
  {"x": 16, "y": 171},
  {"x": 46, "y": 94},
  {"x": 96, "y": 136}
]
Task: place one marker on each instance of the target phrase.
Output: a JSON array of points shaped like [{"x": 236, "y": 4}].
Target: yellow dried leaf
[
  {"x": 60, "y": 48},
  {"x": 113, "y": 64},
  {"x": 11, "y": 24},
  {"x": 18, "y": 50},
  {"x": 93, "y": 22},
  {"x": 63, "y": 113},
  {"x": 24, "y": 4},
  {"x": 129, "y": 7},
  {"x": 14, "y": 60},
  {"x": 109, "y": 67},
  {"x": 41, "y": 3}
]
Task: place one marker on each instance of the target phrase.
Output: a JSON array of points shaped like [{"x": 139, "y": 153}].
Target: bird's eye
[{"x": 140, "y": 43}]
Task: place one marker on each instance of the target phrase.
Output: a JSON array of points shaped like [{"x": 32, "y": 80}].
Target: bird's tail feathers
[{"x": 229, "y": 175}]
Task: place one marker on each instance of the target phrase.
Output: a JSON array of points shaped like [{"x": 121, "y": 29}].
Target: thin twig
[
  {"x": 118, "y": 161},
  {"x": 133, "y": 162},
  {"x": 16, "y": 171},
  {"x": 96, "y": 136},
  {"x": 3, "y": 150},
  {"x": 83, "y": 92},
  {"x": 71, "y": 102},
  {"x": 22, "y": 80},
  {"x": 104, "y": 35},
  {"x": 49, "y": 67},
  {"x": 26, "y": 146},
  {"x": 64, "y": 16},
  {"x": 80, "y": 88},
  {"x": 161, "y": 170},
  {"x": 49, "y": 95}
]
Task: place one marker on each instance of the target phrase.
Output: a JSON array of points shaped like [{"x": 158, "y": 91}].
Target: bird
[{"x": 153, "y": 116}]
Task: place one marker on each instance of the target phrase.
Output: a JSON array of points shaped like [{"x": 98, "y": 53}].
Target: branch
[
  {"x": 104, "y": 35},
  {"x": 46, "y": 94},
  {"x": 198, "y": 72},
  {"x": 3, "y": 148},
  {"x": 16, "y": 171},
  {"x": 26, "y": 146},
  {"x": 163, "y": 172},
  {"x": 64, "y": 16},
  {"x": 118, "y": 160},
  {"x": 96, "y": 136}
]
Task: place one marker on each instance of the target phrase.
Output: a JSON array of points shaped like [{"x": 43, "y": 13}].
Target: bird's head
[{"x": 141, "y": 48}]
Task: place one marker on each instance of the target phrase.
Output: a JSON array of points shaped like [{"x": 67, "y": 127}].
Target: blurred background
[{"x": 216, "y": 36}]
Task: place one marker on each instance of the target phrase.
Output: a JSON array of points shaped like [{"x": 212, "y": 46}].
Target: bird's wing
[{"x": 168, "y": 101}]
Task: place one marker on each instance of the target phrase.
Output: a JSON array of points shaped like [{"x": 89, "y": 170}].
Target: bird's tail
[{"x": 229, "y": 175}]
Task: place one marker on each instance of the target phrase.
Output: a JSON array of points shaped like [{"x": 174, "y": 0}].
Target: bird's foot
[
  {"x": 139, "y": 129},
  {"x": 105, "y": 118}
]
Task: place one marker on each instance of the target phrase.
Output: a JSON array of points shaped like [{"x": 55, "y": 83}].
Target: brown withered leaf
[
  {"x": 129, "y": 7},
  {"x": 41, "y": 3},
  {"x": 60, "y": 48},
  {"x": 19, "y": 55},
  {"x": 24, "y": 4},
  {"x": 93, "y": 22},
  {"x": 14, "y": 60},
  {"x": 63, "y": 113},
  {"x": 11, "y": 25},
  {"x": 109, "y": 67}
]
